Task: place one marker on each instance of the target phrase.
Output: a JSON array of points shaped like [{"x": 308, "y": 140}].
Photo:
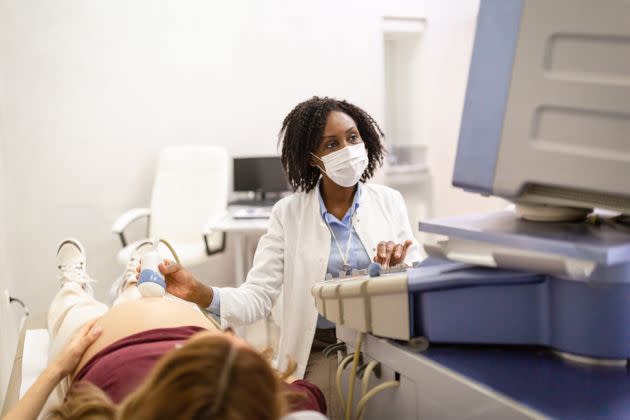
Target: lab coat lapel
[
  {"x": 315, "y": 258},
  {"x": 365, "y": 222}
]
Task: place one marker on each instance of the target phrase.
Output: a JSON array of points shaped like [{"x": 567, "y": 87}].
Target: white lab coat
[{"x": 293, "y": 255}]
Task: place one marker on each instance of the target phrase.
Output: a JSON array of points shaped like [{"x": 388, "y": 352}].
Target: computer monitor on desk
[{"x": 262, "y": 175}]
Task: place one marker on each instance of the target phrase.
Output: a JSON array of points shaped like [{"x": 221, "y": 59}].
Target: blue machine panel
[
  {"x": 489, "y": 80},
  {"x": 606, "y": 243},
  {"x": 478, "y": 305},
  {"x": 541, "y": 380}
]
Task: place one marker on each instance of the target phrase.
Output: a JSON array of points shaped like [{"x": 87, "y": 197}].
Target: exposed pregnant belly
[{"x": 142, "y": 315}]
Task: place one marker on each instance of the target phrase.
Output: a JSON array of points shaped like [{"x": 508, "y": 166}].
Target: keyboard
[
  {"x": 253, "y": 203},
  {"x": 247, "y": 212}
]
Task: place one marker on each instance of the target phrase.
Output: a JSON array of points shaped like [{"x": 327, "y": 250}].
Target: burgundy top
[
  {"x": 121, "y": 367},
  {"x": 314, "y": 398}
]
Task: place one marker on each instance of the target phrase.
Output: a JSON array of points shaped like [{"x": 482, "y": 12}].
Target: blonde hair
[{"x": 186, "y": 384}]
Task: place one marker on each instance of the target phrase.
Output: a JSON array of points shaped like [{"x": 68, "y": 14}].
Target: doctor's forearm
[{"x": 201, "y": 294}]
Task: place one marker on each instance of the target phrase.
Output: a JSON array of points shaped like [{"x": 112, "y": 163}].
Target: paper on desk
[{"x": 34, "y": 357}]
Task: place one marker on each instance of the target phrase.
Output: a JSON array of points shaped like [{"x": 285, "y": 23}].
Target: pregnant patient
[{"x": 150, "y": 358}]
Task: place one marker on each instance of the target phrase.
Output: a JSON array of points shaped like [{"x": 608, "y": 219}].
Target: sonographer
[{"x": 333, "y": 222}]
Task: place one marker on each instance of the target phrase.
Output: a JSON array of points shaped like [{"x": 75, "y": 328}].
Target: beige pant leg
[
  {"x": 129, "y": 292},
  {"x": 322, "y": 372},
  {"x": 71, "y": 308}
]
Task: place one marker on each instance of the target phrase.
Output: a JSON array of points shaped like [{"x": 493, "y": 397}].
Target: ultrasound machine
[{"x": 521, "y": 313}]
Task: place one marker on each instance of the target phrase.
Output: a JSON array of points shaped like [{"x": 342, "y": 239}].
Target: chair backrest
[{"x": 191, "y": 185}]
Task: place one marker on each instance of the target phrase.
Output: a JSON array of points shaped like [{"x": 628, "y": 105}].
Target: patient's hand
[{"x": 67, "y": 361}]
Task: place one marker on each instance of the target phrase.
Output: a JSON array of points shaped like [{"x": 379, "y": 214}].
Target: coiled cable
[
  {"x": 342, "y": 365},
  {"x": 353, "y": 376},
  {"x": 364, "y": 399},
  {"x": 174, "y": 253}
]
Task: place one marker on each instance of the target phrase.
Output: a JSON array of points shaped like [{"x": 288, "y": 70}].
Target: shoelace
[
  {"x": 134, "y": 261},
  {"x": 74, "y": 272},
  {"x": 130, "y": 270},
  {"x": 129, "y": 275}
]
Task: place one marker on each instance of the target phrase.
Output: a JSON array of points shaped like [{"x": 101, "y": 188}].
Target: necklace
[{"x": 344, "y": 257}]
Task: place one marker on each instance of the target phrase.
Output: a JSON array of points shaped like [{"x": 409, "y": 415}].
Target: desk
[
  {"x": 245, "y": 234},
  {"x": 229, "y": 224}
]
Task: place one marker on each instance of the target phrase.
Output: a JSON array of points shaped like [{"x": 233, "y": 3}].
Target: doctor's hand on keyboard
[{"x": 389, "y": 254}]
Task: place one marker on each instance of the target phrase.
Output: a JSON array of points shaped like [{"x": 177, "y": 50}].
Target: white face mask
[{"x": 345, "y": 166}]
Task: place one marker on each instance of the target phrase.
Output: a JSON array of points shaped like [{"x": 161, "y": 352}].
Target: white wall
[
  {"x": 446, "y": 52},
  {"x": 5, "y": 273},
  {"x": 404, "y": 89},
  {"x": 447, "y": 49},
  {"x": 93, "y": 91}
]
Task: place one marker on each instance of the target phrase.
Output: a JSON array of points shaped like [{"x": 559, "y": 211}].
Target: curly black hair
[{"x": 302, "y": 132}]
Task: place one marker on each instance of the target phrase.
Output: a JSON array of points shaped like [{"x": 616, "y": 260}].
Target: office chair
[{"x": 189, "y": 192}]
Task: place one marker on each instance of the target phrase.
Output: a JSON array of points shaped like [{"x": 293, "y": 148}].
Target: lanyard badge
[{"x": 347, "y": 268}]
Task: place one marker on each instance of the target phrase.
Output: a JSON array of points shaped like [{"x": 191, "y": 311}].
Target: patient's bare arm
[{"x": 33, "y": 401}]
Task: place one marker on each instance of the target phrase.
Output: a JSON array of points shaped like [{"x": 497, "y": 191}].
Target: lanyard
[{"x": 346, "y": 264}]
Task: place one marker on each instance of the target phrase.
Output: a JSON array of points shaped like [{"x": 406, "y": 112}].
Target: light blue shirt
[
  {"x": 215, "y": 305},
  {"x": 358, "y": 257}
]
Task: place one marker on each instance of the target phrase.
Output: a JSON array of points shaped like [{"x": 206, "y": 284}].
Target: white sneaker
[
  {"x": 129, "y": 275},
  {"x": 71, "y": 264}
]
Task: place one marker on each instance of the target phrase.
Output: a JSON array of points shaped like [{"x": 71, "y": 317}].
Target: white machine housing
[{"x": 547, "y": 113}]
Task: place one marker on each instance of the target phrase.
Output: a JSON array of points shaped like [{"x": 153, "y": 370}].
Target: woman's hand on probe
[{"x": 181, "y": 283}]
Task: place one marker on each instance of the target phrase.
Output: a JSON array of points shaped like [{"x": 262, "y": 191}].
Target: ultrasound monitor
[
  {"x": 546, "y": 118},
  {"x": 260, "y": 174}
]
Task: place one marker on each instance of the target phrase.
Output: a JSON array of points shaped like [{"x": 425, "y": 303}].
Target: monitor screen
[{"x": 259, "y": 174}]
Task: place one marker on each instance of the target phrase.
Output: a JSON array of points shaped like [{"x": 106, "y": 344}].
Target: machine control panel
[{"x": 374, "y": 300}]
